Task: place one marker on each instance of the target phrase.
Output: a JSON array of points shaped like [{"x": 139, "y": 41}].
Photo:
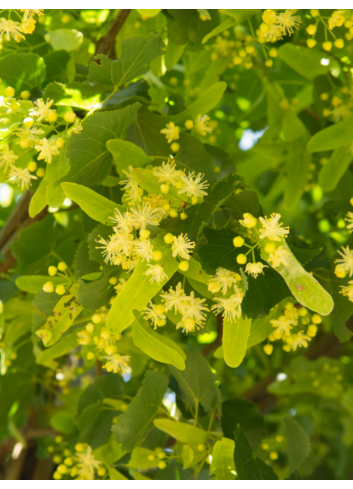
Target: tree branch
[{"x": 105, "y": 44}]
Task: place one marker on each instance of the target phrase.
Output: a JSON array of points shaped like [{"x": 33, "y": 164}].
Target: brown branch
[{"x": 105, "y": 44}]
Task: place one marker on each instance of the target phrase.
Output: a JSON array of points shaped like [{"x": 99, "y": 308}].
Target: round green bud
[
  {"x": 216, "y": 170},
  {"x": 60, "y": 143},
  {"x": 241, "y": 259},
  {"x": 60, "y": 290},
  {"x": 162, "y": 465},
  {"x": 238, "y": 242},
  {"x": 173, "y": 213},
  {"x": 40, "y": 172},
  {"x": 183, "y": 266},
  {"x": 165, "y": 189},
  {"x": 183, "y": 216},
  {"x": 9, "y": 92},
  {"x": 32, "y": 166},
  {"x": 166, "y": 207},
  {"x": 168, "y": 238},
  {"x": 52, "y": 271},
  {"x": 52, "y": 116},
  {"x": 79, "y": 447},
  {"x": 145, "y": 234},
  {"x": 68, "y": 461},
  {"x": 316, "y": 319},
  {"x": 101, "y": 471},
  {"x": 268, "y": 349},
  {"x": 201, "y": 447},
  {"x": 113, "y": 281},
  {"x": 25, "y": 94},
  {"x": 175, "y": 147},
  {"x": 157, "y": 255},
  {"x": 62, "y": 266},
  {"x": 270, "y": 248},
  {"x": 70, "y": 117},
  {"x": 189, "y": 125},
  {"x": 96, "y": 318},
  {"x": 48, "y": 287}
]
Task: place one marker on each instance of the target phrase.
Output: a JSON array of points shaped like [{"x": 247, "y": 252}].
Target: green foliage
[{"x": 175, "y": 250}]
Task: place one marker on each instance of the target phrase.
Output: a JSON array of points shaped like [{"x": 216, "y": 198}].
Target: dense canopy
[{"x": 176, "y": 256}]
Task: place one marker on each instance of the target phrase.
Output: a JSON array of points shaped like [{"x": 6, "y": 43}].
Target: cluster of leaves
[{"x": 153, "y": 168}]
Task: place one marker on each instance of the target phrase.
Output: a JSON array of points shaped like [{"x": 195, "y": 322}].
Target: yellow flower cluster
[
  {"x": 227, "y": 288},
  {"x": 80, "y": 464},
  {"x": 276, "y": 25},
  {"x": 295, "y": 327},
  {"x": 38, "y": 119},
  {"x": 338, "y": 18},
  {"x": 15, "y": 29}
]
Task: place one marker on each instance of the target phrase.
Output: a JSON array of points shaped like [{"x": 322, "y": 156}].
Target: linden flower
[
  {"x": 287, "y": 21},
  {"x": 28, "y": 26},
  {"x": 171, "y": 132},
  {"x": 11, "y": 29},
  {"x": 269, "y": 16},
  {"x": 345, "y": 264},
  {"x": 300, "y": 339},
  {"x": 156, "y": 273},
  {"x": 156, "y": 202},
  {"x": 31, "y": 12},
  {"x": 230, "y": 307},
  {"x": 201, "y": 125},
  {"x": 336, "y": 20},
  {"x": 133, "y": 193},
  {"x": 188, "y": 325},
  {"x": 7, "y": 157},
  {"x": 47, "y": 150},
  {"x": 29, "y": 133},
  {"x": 350, "y": 221},
  {"x": 279, "y": 257},
  {"x": 167, "y": 173},
  {"x": 144, "y": 249},
  {"x": 152, "y": 313},
  {"x": 87, "y": 464},
  {"x": 118, "y": 364},
  {"x": 283, "y": 325},
  {"x": 348, "y": 290},
  {"x": 249, "y": 221},
  {"x": 21, "y": 176},
  {"x": 193, "y": 308},
  {"x": 174, "y": 298},
  {"x": 120, "y": 286},
  {"x": 271, "y": 229},
  {"x": 271, "y": 33},
  {"x": 123, "y": 222},
  {"x": 222, "y": 280},
  {"x": 192, "y": 185},
  {"x": 144, "y": 215},
  {"x": 255, "y": 268},
  {"x": 182, "y": 247},
  {"x": 41, "y": 109}
]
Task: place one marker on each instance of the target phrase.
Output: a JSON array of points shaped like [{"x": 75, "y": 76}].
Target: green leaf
[
  {"x": 197, "y": 382},
  {"x": 173, "y": 54},
  {"x": 335, "y": 168},
  {"x": 157, "y": 346},
  {"x": 63, "y": 347},
  {"x": 39, "y": 199},
  {"x": 304, "y": 60},
  {"x": 242, "y": 202},
  {"x": 248, "y": 416},
  {"x": 140, "y": 459},
  {"x": 95, "y": 424},
  {"x": 90, "y": 161},
  {"x": 186, "y": 25},
  {"x": 242, "y": 14},
  {"x": 332, "y": 137},
  {"x": 66, "y": 39},
  {"x": 107, "y": 386},
  {"x": 206, "y": 101},
  {"x": 298, "y": 444},
  {"x": 247, "y": 466},
  {"x": 297, "y": 169},
  {"x": 75, "y": 94},
  {"x": 133, "y": 425},
  {"x": 343, "y": 308},
  {"x": 302, "y": 284},
  {"x": 235, "y": 340},
  {"x": 185, "y": 433},
  {"x": 222, "y": 465},
  {"x": 137, "y": 53},
  {"x": 33, "y": 283},
  {"x": 127, "y": 154},
  {"x": 63, "y": 423},
  {"x": 96, "y": 294},
  {"x": 22, "y": 71},
  {"x": 136, "y": 294},
  {"x": 94, "y": 205},
  {"x": 188, "y": 456},
  {"x": 227, "y": 24},
  {"x": 262, "y": 327},
  {"x": 56, "y": 64}
]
